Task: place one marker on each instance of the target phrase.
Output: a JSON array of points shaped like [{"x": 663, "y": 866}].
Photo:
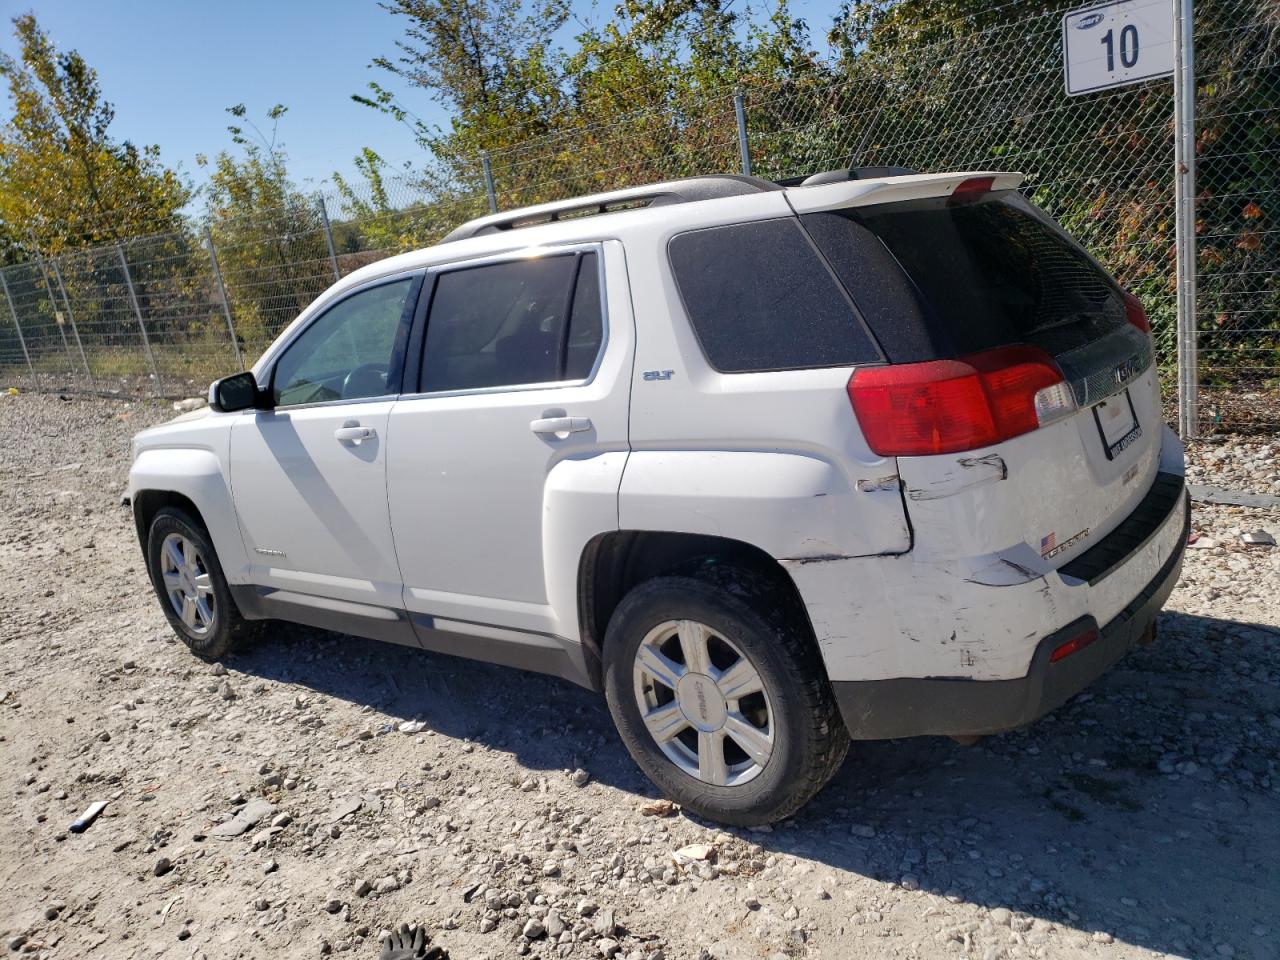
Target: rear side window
[
  {"x": 514, "y": 323},
  {"x": 977, "y": 275},
  {"x": 760, "y": 298}
]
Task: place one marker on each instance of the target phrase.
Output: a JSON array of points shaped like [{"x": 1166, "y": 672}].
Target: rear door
[
  {"x": 526, "y": 365},
  {"x": 947, "y": 277}
]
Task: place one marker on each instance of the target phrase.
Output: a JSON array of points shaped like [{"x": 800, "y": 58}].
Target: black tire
[
  {"x": 763, "y": 622},
  {"x": 228, "y": 629}
]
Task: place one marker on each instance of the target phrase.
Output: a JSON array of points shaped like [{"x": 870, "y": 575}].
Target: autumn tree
[{"x": 64, "y": 181}]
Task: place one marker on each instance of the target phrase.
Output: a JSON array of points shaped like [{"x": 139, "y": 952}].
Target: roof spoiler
[{"x": 897, "y": 188}]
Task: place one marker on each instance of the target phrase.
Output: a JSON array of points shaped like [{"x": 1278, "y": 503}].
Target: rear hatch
[{"x": 975, "y": 293}]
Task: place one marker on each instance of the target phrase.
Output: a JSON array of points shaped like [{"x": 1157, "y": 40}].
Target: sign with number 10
[{"x": 1116, "y": 44}]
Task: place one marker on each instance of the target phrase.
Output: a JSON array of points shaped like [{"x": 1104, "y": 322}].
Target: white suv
[{"x": 873, "y": 455}]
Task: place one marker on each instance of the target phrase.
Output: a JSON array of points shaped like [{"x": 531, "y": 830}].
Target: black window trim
[
  {"x": 434, "y": 272},
  {"x": 844, "y": 293},
  {"x": 399, "y": 350}
]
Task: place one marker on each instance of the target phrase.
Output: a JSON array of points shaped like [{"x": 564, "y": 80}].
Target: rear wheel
[
  {"x": 720, "y": 695},
  {"x": 191, "y": 587}
]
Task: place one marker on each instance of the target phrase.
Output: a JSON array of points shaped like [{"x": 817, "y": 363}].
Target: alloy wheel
[
  {"x": 704, "y": 703},
  {"x": 187, "y": 583}
]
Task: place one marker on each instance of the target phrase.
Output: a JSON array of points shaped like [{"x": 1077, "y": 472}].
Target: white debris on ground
[{"x": 310, "y": 794}]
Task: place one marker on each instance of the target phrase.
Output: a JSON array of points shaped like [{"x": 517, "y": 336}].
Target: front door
[
  {"x": 524, "y": 389},
  {"x": 309, "y": 476}
]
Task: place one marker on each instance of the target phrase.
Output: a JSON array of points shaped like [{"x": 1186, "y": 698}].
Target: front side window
[
  {"x": 346, "y": 354},
  {"x": 514, "y": 323}
]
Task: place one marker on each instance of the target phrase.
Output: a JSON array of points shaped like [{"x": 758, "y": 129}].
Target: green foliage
[
  {"x": 640, "y": 98},
  {"x": 268, "y": 233},
  {"x": 64, "y": 181}
]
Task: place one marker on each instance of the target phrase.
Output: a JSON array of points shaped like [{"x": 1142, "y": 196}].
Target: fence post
[
  {"x": 137, "y": 312},
  {"x": 328, "y": 236},
  {"x": 35, "y": 385},
  {"x": 744, "y": 148},
  {"x": 488, "y": 181},
  {"x": 71, "y": 319},
  {"x": 222, "y": 292},
  {"x": 57, "y": 314},
  {"x": 1184, "y": 182}
]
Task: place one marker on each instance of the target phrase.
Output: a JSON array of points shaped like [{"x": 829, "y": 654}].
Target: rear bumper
[{"x": 918, "y": 706}]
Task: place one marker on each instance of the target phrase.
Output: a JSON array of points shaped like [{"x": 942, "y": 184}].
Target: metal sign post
[
  {"x": 1184, "y": 184},
  {"x": 1130, "y": 41}
]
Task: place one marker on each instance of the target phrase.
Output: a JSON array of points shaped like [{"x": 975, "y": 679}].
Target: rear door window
[
  {"x": 514, "y": 323},
  {"x": 978, "y": 275},
  {"x": 759, "y": 297}
]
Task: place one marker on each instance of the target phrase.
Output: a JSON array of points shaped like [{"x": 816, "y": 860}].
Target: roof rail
[
  {"x": 846, "y": 173},
  {"x": 710, "y": 187}
]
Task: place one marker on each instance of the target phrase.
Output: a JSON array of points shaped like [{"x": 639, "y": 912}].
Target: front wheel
[
  {"x": 192, "y": 590},
  {"x": 719, "y": 694}
]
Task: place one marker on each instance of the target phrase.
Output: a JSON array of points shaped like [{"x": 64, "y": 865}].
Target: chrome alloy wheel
[
  {"x": 704, "y": 703},
  {"x": 187, "y": 582}
]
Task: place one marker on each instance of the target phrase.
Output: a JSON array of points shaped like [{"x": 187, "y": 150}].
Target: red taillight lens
[
  {"x": 1134, "y": 313},
  {"x": 1074, "y": 645},
  {"x": 946, "y": 406}
]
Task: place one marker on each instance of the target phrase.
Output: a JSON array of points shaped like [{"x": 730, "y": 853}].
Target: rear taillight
[
  {"x": 1134, "y": 313},
  {"x": 946, "y": 406}
]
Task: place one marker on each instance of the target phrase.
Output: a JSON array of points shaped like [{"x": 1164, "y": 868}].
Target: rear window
[
  {"x": 760, "y": 298},
  {"x": 981, "y": 275}
]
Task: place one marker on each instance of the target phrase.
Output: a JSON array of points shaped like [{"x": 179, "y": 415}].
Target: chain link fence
[{"x": 166, "y": 314}]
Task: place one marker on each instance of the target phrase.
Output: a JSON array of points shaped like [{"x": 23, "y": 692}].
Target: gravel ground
[{"x": 500, "y": 810}]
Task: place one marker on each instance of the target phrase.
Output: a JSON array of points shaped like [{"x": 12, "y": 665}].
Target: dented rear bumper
[{"x": 918, "y": 706}]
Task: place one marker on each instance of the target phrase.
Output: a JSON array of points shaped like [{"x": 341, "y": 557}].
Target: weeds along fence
[{"x": 165, "y": 314}]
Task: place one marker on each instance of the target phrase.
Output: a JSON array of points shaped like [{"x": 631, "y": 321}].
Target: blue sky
[{"x": 171, "y": 67}]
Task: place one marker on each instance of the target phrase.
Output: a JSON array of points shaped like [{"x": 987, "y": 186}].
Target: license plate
[{"x": 1117, "y": 423}]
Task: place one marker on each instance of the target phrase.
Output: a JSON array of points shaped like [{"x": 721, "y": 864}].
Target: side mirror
[{"x": 236, "y": 392}]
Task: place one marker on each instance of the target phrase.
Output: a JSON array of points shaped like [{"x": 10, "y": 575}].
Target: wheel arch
[
  {"x": 148, "y": 503},
  {"x": 613, "y": 563}
]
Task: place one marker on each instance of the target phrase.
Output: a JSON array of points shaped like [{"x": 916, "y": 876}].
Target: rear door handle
[
  {"x": 354, "y": 434},
  {"x": 557, "y": 425}
]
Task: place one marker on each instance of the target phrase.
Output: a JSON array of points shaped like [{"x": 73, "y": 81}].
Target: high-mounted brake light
[
  {"x": 947, "y": 406},
  {"x": 967, "y": 191},
  {"x": 1135, "y": 314}
]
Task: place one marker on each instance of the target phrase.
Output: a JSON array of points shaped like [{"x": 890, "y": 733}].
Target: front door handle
[
  {"x": 560, "y": 425},
  {"x": 354, "y": 434}
]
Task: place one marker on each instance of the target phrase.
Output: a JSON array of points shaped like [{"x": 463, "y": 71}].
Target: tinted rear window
[
  {"x": 981, "y": 274},
  {"x": 760, "y": 298}
]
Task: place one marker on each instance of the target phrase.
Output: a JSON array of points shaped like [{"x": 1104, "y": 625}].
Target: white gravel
[{"x": 498, "y": 808}]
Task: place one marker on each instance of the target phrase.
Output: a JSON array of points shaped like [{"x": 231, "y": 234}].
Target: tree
[
  {"x": 643, "y": 97},
  {"x": 63, "y": 179},
  {"x": 268, "y": 233}
]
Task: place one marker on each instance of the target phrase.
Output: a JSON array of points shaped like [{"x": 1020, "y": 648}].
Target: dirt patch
[{"x": 387, "y": 785}]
